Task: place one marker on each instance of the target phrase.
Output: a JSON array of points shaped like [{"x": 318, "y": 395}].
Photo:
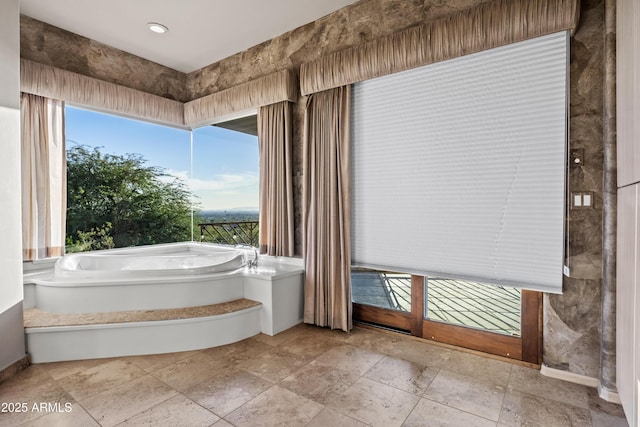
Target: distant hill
[{"x": 228, "y": 215}]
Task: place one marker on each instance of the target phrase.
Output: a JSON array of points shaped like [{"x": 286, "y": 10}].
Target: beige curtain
[
  {"x": 44, "y": 183},
  {"x": 326, "y": 219},
  {"x": 276, "y": 198}
]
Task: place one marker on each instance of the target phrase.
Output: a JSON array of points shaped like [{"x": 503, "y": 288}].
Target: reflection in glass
[{"x": 481, "y": 306}]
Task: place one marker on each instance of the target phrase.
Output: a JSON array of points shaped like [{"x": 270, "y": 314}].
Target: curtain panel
[
  {"x": 44, "y": 183},
  {"x": 276, "y": 189},
  {"x": 326, "y": 241},
  {"x": 485, "y": 26}
]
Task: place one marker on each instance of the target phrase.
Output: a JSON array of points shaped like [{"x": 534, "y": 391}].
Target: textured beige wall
[
  {"x": 46, "y": 44},
  {"x": 572, "y": 320},
  {"x": 358, "y": 23}
]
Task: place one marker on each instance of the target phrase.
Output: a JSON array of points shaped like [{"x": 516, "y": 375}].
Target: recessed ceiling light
[{"x": 157, "y": 28}]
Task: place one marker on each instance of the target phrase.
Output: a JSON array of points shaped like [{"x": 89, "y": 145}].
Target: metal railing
[{"x": 230, "y": 233}]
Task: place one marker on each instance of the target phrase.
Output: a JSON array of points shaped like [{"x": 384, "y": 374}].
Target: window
[
  {"x": 133, "y": 183},
  {"x": 225, "y": 182}
]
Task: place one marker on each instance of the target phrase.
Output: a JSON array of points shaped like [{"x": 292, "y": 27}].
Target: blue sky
[{"x": 225, "y": 163}]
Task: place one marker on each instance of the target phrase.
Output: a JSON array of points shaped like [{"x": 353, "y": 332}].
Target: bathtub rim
[
  {"x": 269, "y": 268},
  {"x": 62, "y": 272}
]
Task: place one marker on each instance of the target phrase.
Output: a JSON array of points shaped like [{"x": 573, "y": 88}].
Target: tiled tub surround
[
  {"x": 205, "y": 310},
  {"x": 305, "y": 376}
]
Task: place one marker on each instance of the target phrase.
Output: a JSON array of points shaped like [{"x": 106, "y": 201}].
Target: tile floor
[{"x": 306, "y": 376}]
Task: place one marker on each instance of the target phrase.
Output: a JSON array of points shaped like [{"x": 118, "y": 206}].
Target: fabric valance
[
  {"x": 50, "y": 82},
  {"x": 486, "y": 26},
  {"x": 276, "y": 87},
  {"x": 73, "y": 88}
]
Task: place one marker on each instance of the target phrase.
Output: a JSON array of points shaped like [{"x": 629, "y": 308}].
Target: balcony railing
[{"x": 230, "y": 233}]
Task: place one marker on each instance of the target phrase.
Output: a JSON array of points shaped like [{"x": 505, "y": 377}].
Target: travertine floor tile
[
  {"x": 153, "y": 362},
  {"x": 273, "y": 365},
  {"x": 350, "y": 358},
  {"x": 522, "y": 409},
  {"x": 330, "y": 417},
  {"x": 27, "y": 384},
  {"x": 76, "y": 417},
  {"x": 275, "y": 407},
  {"x": 99, "y": 378},
  {"x": 403, "y": 374},
  {"x": 188, "y": 372},
  {"x": 531, "y": 381},
  {"x": 175, "y": 412},
  {"x": 59, "y": 370},
  {"x": 238, "y": 352},
  {"x": 478, "y": 397},
  {"x": 310, "y": 346},
  {"x": 599, "y": 419},
  {"x": 283, "y": 336},
  {"x": 34, "y": 317},
  {"x": 598, "y": 405},
  {"x": 375, "y": 404},
  {"x": 126, "y": 400},
  {"x": 420, "y": 352},
  {"x": 479, "y": 367},
  {"x": 368, "y": 339},
  {"x": 365, "y": 377},
  {"x": 227, "y": 391},
  {"x": 30, "y": 387},
  {"x": 432, "y": 414},
  {"x": 320, "y": 383}
]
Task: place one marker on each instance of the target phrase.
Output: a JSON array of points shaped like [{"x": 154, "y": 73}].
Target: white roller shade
[{"x": 459, "y": 167}]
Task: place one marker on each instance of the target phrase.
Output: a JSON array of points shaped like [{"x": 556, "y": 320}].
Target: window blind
[{"x": 458, "y": 167}]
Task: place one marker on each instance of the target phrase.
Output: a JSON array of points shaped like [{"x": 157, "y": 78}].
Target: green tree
[{"x": 119, "y": 199}]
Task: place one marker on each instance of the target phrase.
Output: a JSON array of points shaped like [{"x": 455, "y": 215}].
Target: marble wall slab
[
  {"x": 46, "y": 44},
  {"x": 347, "y": 27},
  {"x": 572, "y": 320}
]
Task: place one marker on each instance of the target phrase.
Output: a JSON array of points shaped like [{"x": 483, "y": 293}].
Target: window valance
[
  {"x": 276, "y": 87},
  {"x": 486, "y": 26},
  {"x": 50, "y": 82}
]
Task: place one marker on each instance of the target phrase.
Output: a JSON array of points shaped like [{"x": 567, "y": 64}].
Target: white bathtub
[
  {"x": 155, "y": 277},
  {"x": 171, "y": 275},
  {"x": 145, "y": 261}
]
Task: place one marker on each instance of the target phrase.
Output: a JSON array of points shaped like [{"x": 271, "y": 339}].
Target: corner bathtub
[
  {"x": 144, "y": 261},
  {"x": 173, "y": 275},
  {"x": 170, "y": 276}
]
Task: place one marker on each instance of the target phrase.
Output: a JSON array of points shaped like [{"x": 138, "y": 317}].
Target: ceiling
[{"x": 200, "y": 31}]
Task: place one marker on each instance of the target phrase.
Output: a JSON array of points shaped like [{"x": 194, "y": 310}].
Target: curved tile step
[{"x": 57, "y": 337}]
